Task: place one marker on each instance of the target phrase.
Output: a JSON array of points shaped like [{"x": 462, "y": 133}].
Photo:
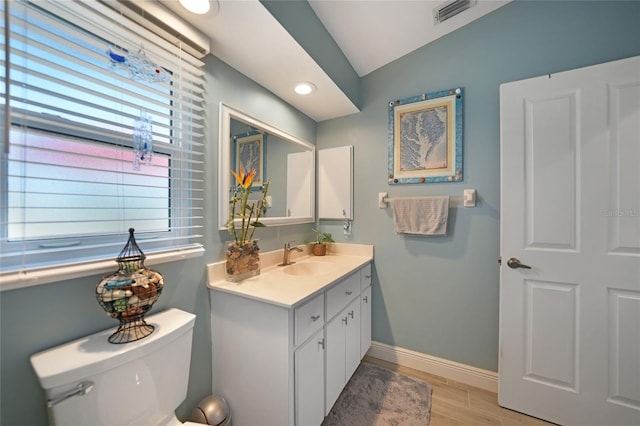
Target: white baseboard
[{"x": 472, "y": 376}]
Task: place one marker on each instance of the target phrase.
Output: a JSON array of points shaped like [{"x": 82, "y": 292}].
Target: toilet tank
[{"x": 136, "y": 383}]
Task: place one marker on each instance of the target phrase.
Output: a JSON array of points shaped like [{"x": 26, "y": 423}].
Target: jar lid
[{"x": 131, "y": 251}]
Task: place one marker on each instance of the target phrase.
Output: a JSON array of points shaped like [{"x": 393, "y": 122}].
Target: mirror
[{"x": 288, "y": 162}]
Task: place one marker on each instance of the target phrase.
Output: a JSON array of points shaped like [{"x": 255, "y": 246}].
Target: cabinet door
[
  {"x": 365, "y": 276},
  {"x": 343, "y": 350},
  {"x": 335, "y": 183},
  {"x": 335, "y": 359},
  {"x": 365, "y": 321},
  {"x": 299, "y": 184},
  {"x": 352, "y": 339},
  {"x": 309, "y": 382}
]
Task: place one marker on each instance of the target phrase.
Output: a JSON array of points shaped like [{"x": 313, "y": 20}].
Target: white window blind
[{"x": 81, "y": 78}]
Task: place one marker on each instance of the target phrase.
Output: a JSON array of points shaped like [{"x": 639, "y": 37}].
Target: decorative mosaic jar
[
  {"x": 129, "y": 293},
  {"x": 242, "y": 260}
]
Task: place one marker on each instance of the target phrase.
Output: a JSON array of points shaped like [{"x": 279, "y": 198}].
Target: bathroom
[{"x": 438, "y": 296}]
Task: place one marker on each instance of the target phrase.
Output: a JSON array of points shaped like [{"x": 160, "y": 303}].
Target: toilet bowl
[{"x": 92, "y": 382}]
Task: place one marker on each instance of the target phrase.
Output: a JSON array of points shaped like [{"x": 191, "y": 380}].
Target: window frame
[{"x": 84, "y": 255}]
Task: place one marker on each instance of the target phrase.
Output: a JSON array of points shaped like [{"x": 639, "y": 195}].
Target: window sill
[{"x": 22, "y": 279}]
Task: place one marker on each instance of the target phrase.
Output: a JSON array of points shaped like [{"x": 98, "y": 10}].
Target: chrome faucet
[{"x": 287, "y": 253}]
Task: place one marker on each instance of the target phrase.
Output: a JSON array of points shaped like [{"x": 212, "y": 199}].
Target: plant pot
[
  {"x": 243, "y": 261},
  {"x": 319, "y": 249}
]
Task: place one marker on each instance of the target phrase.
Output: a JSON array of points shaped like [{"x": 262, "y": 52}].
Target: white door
[{"x": 570, "y": 209}]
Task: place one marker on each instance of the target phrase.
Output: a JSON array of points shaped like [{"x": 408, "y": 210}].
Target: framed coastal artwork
[
  {"x": 425, "y": 138},
  {"x": 249, "y": 154}
]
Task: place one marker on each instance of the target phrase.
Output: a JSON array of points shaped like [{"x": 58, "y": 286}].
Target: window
[{"x": 104, "y": 133}]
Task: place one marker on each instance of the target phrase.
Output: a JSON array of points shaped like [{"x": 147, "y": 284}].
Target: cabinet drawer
[
  {"x": 365, "y": 277},
  {"x": 308, "y": 318},
  {"x": 342, "y": 293}
]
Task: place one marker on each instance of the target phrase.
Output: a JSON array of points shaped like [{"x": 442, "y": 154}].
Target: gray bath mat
[{"x": 377, "y": 396}]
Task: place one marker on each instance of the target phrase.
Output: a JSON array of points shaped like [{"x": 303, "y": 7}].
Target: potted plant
[
  {"x": 320, "y": 246},
  {"x": 242, "y": 254}
]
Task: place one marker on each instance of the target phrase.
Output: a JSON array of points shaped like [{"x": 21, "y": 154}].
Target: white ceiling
[{"x": 370, "y": 33}]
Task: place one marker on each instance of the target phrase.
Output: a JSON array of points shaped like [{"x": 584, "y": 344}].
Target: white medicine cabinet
[{"x": 335, "y": 183}]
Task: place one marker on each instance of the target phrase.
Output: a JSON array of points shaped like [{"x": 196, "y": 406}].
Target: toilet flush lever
[{"x": 82, "y": 389}]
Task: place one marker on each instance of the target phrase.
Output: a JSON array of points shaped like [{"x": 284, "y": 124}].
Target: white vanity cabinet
[{"x": 279, "y": 364}]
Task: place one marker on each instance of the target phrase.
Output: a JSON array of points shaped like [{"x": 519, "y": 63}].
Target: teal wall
[
  {"x": 37, "y": 318},
  {"x": 439, "y": 296}
]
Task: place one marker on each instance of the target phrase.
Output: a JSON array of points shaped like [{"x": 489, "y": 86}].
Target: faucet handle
[{"x": 287, "y": 245}]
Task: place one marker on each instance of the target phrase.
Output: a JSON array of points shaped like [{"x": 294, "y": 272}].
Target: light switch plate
[
  {"x": 382, "y": 199},
  {"x": 469, "y": 198}
]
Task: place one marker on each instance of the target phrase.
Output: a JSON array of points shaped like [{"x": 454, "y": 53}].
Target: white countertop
[{"x": 277, "y": 287}]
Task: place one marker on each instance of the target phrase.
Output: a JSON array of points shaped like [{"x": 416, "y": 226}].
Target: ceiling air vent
[{"x": 450, "y": 9}]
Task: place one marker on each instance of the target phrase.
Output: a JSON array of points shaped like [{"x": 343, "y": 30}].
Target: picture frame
[
  {"x": 425, "y": 138},
  {"x": 249, "y": 154}
]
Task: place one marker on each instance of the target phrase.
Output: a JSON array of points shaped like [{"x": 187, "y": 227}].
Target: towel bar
[{"x": 468, "y": 199}]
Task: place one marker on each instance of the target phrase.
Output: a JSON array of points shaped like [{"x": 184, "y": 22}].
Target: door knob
[{"x": 514, "y": 263}]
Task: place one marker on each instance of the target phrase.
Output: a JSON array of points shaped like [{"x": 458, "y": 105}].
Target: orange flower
[
  {"x": 245, "y": 180},
  {"x": 246, "y": 212}
]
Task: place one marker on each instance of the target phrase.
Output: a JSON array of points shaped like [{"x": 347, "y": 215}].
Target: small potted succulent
[{"x": 320, "y": 246}]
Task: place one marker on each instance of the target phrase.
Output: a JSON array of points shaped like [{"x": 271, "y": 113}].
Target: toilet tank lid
[{"x": 93, "y": 354}]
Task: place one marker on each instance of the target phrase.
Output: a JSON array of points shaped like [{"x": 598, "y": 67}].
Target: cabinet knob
[
  {"x": 315, "y": 318},
  {"x": 366, "y": 299},
  {"x": 351, "y": 314},
  {"x": 321, "y": 343},
  {"x": 349, "y": 293},
  {"x": 344, "y": 320},
  {"x": 367, "y": 276}
]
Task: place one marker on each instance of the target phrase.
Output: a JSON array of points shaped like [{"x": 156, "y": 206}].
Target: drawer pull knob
[
  {"x": 348, "y": 293},
  {"x": 367, "y": 276},
  {"x": 351, "y": 314},
  {"x": 366, "y": 299},
  {"x": 315, "y": 318},
  {"x": 321, "y": 343},
  {"x": 344, "y": 320}
]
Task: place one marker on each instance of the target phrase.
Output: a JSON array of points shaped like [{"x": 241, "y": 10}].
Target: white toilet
[{"x": 93, "y": 382}]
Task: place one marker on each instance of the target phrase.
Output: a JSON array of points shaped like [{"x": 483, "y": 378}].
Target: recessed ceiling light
[
  {"x": 305, "y": 88},
  {"x": 196, "y": 6}
]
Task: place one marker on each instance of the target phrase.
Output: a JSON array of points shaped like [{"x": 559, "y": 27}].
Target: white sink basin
[{"x": 308, "y": 268}]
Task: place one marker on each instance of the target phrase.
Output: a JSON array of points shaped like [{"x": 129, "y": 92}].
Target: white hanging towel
[{"x": 421, "y": 215}]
